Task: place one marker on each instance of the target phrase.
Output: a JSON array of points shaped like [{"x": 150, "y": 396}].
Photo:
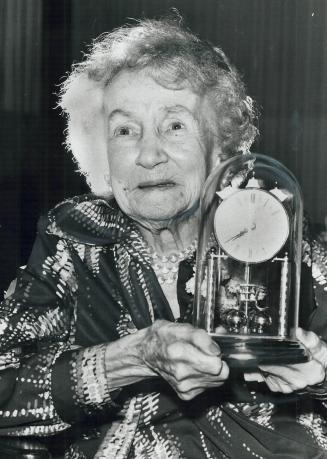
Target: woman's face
[{"x": 160, "y": 147}]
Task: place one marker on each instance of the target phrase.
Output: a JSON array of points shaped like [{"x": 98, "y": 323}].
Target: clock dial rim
[{"x": 264, "y": 258}]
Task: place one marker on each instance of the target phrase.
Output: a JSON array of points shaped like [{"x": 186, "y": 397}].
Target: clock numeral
[
  {"x": 250, "y": 253},
  {"x": 276, "y": 212},
  {"x": 252, "y": 198},
  {"x": 265, "y": 203}
]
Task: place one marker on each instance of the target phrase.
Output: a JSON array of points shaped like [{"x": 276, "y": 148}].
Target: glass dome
[{"x": 249, "y": 261}]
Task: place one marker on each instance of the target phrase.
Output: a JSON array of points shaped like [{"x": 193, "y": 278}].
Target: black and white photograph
[{"x": 163, "y": 222}]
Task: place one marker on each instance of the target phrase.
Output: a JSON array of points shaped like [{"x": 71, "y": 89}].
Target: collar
[{"x": 90, "y": 220}]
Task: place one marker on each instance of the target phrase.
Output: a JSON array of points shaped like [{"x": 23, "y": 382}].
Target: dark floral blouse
[{"x": 88, "y": 282}]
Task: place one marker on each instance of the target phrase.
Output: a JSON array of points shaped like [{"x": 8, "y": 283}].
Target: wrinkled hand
[
  {"x": 289, "y": 378},
  {"x": 185, "y": 357}
]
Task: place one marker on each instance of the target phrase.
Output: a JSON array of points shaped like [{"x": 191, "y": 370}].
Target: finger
[
  {"x": 188, "y": 333},
  {"x": 224, "y": 372},
  {"x": 294, "y": 371},
  {"x": 279, "y": 370},
  {"x": 316, "y": 346},
  {"x": 296, "y": 376},
  {"x": 308, "y": 338},
  {"x": 191, "y": 387},
  {"x": 203, "y": 341},
  {"x": 182, "y": 372},
  {"x": 190, "y": 394},
  {"x": 276, "y": 385},
  {"x": 195, "y": 359},
  {"x": 221, "y": 375},
  {"x": 272, "y": 383},
  {"x": 277, "y": 375},
  {"x": 253, "y": 376}
]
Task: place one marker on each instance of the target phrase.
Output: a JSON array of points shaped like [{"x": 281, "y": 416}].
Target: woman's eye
[
  {"x": 123, "y": 131},
  {"x": 176, "y": 126}
]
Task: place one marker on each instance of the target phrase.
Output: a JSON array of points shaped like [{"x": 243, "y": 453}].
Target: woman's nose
[{"x": 151, "y": 152}]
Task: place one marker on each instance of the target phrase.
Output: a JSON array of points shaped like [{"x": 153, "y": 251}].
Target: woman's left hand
[{"x": 289, "y": 378}]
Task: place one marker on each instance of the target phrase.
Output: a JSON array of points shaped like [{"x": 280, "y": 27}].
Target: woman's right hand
[{"x": 186, "y": 357}]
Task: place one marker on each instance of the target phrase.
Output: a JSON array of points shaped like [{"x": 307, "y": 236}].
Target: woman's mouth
[{"x": 156, "y": 184}]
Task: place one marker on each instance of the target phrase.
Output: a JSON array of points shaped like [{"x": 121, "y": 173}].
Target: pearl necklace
[{"x": 166, "y": 267}]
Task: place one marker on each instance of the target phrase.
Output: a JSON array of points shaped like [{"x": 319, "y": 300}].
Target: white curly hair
[{"x": 175, "y": 56}]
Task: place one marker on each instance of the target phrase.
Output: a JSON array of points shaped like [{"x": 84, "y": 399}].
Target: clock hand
[{"x": 241, "y": 233}]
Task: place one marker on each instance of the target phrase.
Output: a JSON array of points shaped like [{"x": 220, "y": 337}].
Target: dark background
[{"x": 280, "y": 47}]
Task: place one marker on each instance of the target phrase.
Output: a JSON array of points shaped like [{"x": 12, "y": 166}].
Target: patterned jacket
[{"x": 88, "y": 282}]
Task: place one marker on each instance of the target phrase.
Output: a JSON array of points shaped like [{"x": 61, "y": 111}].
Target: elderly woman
[{"x": 96, "y": 339}]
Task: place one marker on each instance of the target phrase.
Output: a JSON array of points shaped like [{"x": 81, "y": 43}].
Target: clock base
[{"x": 249, "y": 352}]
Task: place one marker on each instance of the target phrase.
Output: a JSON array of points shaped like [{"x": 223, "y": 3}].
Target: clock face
[{"x": 251, "y": 226}]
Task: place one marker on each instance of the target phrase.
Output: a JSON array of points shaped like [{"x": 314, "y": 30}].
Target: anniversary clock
[{"x": 249, "y": 261}]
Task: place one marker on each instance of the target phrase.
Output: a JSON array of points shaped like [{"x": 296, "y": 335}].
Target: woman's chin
[
  {"x": 152, "y": 213},
  {"x": 159, "y": 206}
]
